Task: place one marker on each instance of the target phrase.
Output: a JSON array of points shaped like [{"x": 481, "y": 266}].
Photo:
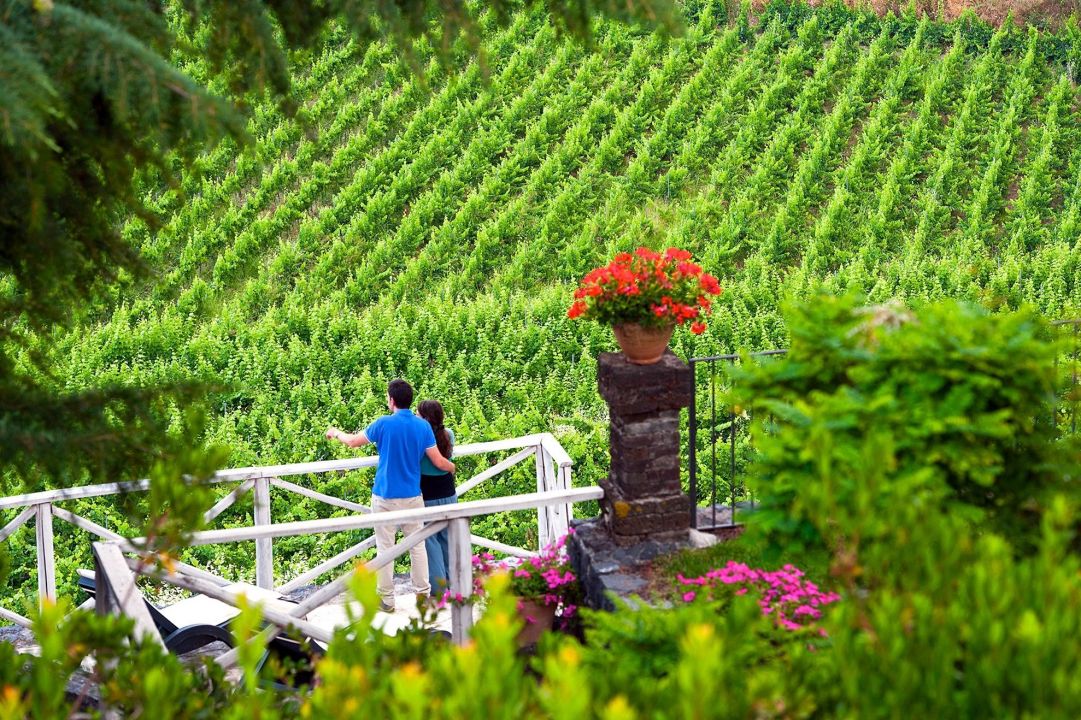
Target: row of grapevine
[
  {"x": 825, "y": 246},
  {"x": 941, "y": 193},
  {"x": 816, "y": 163},
  {"x": 775, "y": 165}
]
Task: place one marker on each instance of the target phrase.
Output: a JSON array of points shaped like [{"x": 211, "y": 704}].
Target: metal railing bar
[
  {"x": 1065, "y": 405},
  {"x": 692, "y": 455},
  {"x": 731, "y": 469},
  {"x": 736, "y": 356},
  {"x": 716, "y": 433},
  {"x": 713, "y": 439},
  {"x": 1073, "y": 398}
]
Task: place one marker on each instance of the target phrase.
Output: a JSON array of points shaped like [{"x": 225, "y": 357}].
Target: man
[{"x": 401, "y": 439}]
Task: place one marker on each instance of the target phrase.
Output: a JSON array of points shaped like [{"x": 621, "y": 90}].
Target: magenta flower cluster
[
  {"x": 545, "y": 578},
  {"x": 793, "y": 601}
]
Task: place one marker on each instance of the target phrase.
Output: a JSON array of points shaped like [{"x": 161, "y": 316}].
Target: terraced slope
[{"x": 435, "y": 234}]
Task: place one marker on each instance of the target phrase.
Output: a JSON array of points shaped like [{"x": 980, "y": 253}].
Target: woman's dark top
[{"x": 437, "y": 487}]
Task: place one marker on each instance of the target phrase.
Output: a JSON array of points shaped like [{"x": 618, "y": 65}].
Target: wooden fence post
[
  {"x": 116, "y": 592},
  {"x": 564, "y": 483},
  {"x": 461, "y": 579},
  {"x": 264, "y": 547},
  {"x": 46, "y": 557},
  {"x": 544, "y": 484}
]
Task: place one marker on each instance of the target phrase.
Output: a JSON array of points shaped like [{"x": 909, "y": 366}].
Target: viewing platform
[{"x": 308, "y": 610}]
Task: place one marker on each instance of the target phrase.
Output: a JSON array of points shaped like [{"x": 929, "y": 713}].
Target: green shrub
[{"x": 957, "y": 403}]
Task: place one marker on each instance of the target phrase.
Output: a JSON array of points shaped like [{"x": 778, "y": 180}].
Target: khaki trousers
[{"x": 384, "y": 540}]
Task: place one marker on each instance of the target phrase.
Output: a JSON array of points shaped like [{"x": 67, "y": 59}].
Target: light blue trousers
[{"x": 439, "y": 552}]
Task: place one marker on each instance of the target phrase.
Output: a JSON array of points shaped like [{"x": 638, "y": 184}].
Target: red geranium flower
[{"x": 647, "y": 287}]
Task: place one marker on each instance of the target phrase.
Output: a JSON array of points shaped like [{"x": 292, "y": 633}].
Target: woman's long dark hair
[{"x": 432, "y": 411}]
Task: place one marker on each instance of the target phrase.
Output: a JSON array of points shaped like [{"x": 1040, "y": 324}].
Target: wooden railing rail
[{"x": 553, "y": 467}]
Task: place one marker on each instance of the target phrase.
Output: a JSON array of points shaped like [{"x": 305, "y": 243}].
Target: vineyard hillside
[{"x": 433, "y": 229}]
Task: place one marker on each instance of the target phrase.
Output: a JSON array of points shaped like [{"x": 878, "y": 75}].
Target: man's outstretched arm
[
  {"x": 351, "y": 439},
  {"x": 438, "y": 460}
]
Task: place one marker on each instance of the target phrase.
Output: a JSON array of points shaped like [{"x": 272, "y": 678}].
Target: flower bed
[
  {"x": 794, "y": 601},
  {"x": 546, "y": 579}
]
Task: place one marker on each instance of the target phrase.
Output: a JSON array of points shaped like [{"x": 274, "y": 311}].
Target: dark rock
[
  {"x": 608, "y": 570},
  {"x": 641, "y": 484},
  {"x": 604, "y": 568},
  {"x": 644, "y": 511},
  {"x": 18, "y": 636},
  {"x": 645, "y": 430},
  {"x": 636, "y": 519},
  {"x": 624, "y": 583}
]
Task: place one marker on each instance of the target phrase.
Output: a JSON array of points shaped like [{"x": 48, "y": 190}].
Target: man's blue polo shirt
[{"x": 401, "y": 439}]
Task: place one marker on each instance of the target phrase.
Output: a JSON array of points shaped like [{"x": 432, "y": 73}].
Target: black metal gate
[{"x": 727, "y": 429}]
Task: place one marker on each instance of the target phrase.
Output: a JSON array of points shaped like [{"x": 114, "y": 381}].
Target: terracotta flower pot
[
  {"x": 538, "y": 619},
  {"x": 643, "y": 345}
]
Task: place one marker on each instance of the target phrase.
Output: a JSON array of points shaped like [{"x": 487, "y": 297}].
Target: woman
[{"x": 437, "y": 487}]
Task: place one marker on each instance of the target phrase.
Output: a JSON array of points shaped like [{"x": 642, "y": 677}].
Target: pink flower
[
  {"x": 689, "y": 596},
  {"x": 783, "y": 594}
]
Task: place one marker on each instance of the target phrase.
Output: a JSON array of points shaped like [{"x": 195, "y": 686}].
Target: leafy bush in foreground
[{"x": 957, "y": 403}]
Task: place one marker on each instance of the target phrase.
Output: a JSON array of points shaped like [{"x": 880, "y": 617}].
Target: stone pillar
[{"x": 643, "y": 498}]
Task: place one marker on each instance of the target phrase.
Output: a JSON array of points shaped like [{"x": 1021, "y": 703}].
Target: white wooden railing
[
  {"x": 115, "y": 576},
  {"x": 553, "y": 503}
]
